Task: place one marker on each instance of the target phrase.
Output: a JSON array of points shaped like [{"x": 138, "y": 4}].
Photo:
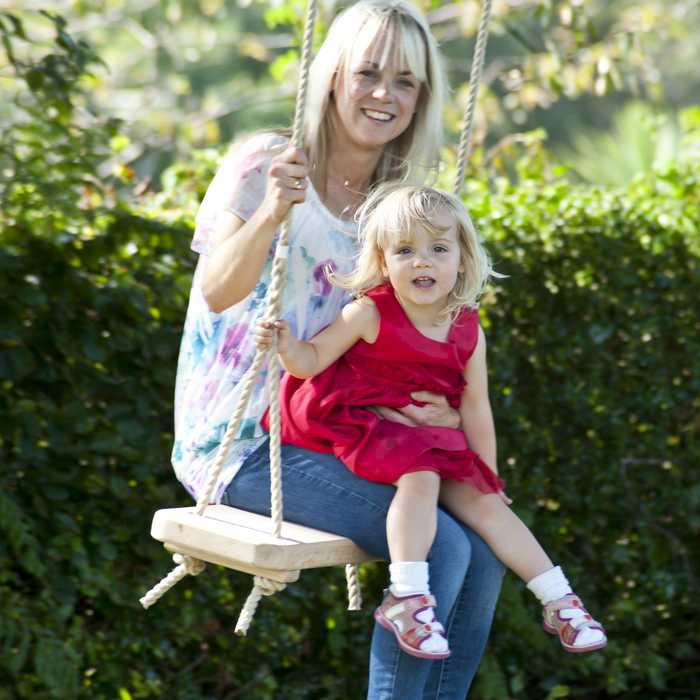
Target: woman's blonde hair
[
  {"x": 389, "y": 215},
  {"x": 407, "y": 37}
]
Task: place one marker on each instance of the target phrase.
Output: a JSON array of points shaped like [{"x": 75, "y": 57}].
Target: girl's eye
[
  {"x": 405, "y": 82},
  {"x": 440, "y": 249},
  {"x": 367, "y": 73},
  {"x": 403, "y": 251}
]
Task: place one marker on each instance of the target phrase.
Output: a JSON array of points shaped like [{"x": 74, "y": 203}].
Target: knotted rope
[
  {"x": 185, "y": 565},
  {"x": 261, "y": 586}
]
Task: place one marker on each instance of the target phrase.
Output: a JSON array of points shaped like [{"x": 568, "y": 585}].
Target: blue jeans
[{"x": 465, "y": 576}]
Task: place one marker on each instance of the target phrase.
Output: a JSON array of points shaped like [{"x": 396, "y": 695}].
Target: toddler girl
[{"x": 413, "y": 327}]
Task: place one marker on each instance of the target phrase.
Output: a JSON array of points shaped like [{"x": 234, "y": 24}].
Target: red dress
[{"x": 328, "y": 413}]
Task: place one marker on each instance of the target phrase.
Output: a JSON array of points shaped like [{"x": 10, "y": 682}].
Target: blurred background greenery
[
  {"x": 197, "y": 73},
  {"x": 585, "y": 182}
]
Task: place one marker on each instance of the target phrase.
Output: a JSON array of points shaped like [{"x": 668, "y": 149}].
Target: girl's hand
[
  {"x": 286, "y": 183},
  {"x": 436, "y": 412},
  {"x": 265, "y": 332},
  {"x": 504, "y": 498}
]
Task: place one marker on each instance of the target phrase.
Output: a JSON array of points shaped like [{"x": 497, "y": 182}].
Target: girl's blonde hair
[
  {"x": 389, "y": 215},
  {"x": 406, "y": 36}
]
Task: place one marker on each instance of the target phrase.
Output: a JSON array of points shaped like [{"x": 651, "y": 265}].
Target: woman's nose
[{"x": 382, "y": 91}]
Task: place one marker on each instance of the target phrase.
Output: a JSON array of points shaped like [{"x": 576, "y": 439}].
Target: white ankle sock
[
  {"x": 409, "y": 577},
  {"x": 549, "y": 586}
]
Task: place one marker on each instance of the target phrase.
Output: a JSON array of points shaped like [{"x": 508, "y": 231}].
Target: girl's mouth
[{"x": 423, "y": 282}]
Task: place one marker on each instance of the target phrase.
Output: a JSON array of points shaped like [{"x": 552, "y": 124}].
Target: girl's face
[
  {"x": 423, "y": 268},
  {"x": 374, "y": 105}
]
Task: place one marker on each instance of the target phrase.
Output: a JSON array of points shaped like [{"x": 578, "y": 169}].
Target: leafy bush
[
  {"x": 594, "y": 360},
  {"x": 594, "y": 353}
]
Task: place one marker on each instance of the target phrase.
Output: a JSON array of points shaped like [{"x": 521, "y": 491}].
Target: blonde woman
[
  {"x": 374, "y": 115},
  {"x": 413, "y": 326}
]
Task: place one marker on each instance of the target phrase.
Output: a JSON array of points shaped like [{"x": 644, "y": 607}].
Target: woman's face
[{"x": 374, "y": 105}]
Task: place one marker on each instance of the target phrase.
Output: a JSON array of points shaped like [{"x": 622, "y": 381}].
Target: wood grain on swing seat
[{"x": 243, "y": 541}]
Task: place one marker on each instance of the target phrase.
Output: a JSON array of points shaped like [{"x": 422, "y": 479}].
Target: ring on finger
[{"x": 298, "y": 183}]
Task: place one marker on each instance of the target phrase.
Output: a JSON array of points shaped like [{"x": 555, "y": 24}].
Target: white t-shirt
[{"x": 218, "y": 348}]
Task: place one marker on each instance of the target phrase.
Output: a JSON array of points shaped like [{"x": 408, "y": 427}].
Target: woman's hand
[
  {"x": 265, "y": 332},
  {"x": 286, "y": 183},
  {"x": 435, "y": 412}
]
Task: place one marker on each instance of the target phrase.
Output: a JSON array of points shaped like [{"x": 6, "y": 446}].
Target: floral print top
[{"x": 218, "y": 348}]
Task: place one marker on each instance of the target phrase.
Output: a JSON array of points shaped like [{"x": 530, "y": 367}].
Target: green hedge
[
  {"x": 593, "y": 346},
  {"x": 594, "y": 349}
]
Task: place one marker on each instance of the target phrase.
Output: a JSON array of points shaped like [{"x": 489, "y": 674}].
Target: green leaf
[{"x": 56, "y": 664}]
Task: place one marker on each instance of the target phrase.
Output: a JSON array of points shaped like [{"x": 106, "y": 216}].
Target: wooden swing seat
[{"x": 240, "y": 540}]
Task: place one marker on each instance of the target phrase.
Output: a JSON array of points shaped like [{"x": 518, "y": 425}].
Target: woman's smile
[{"x": 377, "y": 115}]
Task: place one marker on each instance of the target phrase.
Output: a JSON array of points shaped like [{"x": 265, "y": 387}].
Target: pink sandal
[
  {"x": 568, "y": 628},
  {"x": 399, "y": 615}
]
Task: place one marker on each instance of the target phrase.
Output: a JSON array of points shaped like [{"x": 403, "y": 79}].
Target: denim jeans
[{"x": 465, "y": 576}]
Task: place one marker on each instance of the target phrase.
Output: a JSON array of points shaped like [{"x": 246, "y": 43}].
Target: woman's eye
[
  {"x": 404, "y": 82},
  {"x": 367, "y": 73}
]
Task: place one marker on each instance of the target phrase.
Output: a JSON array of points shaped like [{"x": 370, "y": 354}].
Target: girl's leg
[
  {"x": 412, "y": 518},
  {"x": 355, "y": 508},
  {"x": 507, "y": 535},
  {"x": 517, "y": 548},
  {"x": 407, "y": 609}
]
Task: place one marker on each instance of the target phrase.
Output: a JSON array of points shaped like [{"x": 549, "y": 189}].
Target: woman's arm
[
  {"x": 475, "y": 407},
  {"x": 242, "y": 247},
  {"x": 357, "y": 320}
]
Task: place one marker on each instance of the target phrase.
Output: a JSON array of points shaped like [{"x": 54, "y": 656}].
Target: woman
[{"x": 376, "y": 91}]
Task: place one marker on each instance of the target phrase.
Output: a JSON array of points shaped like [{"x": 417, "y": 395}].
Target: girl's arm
[
  {"x": 358, "y": 320},
  {"x": 475, "y": 407}
]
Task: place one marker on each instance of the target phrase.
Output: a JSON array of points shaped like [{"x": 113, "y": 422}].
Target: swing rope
[
  {"x": 465, "y": 140},
  {"x": 263, "y": 586}
]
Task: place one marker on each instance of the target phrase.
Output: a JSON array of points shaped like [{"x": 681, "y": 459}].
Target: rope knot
[
  {"x": 267, "y": 586},
  {"x": 193, "y": 566}
]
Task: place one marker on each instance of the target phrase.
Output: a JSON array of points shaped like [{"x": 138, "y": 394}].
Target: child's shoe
[
  {"x": 412, "y": 620},
  {"x": 578, "y": 631}
]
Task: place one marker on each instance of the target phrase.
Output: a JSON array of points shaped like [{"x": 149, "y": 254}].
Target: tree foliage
[
  {"x": 201, "y": 72},
  {"x": 593, "y": 346}
]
